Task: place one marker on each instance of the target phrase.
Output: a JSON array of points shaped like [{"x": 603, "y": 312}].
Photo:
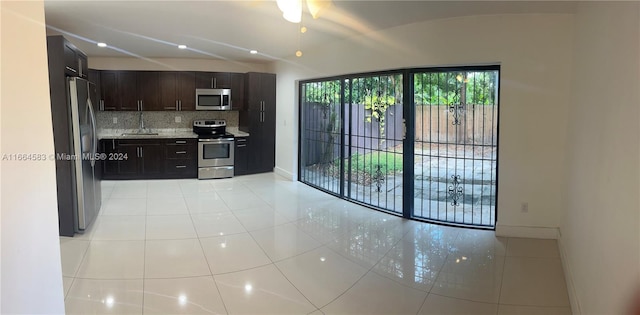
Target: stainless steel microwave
[{"x": 213, "y": 99}]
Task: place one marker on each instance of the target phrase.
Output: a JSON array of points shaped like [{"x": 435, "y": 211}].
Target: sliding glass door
[
  {"x": 354, "y": 141},
  {"x": 456, "y": 145}
]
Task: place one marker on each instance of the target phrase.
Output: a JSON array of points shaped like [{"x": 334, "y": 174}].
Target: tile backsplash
[{"x": 131, "y": 120}]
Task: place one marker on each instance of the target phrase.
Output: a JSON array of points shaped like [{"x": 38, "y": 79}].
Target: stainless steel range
[{"x": 215, "y": 149}]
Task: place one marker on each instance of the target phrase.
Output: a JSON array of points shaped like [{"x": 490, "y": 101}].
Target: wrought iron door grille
[
  {"x": 455, "y": 146},
  {"x": 352, "y": 142}
]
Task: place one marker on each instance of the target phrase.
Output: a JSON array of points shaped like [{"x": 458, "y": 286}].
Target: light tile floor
[{"x": 263, "y": 244}]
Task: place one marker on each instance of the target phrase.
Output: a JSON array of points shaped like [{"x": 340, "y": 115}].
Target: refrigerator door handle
[{"x": 94, "y": 140}]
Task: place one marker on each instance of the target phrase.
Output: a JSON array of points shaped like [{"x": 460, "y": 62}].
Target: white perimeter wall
[
  {"x": 600, "y": 233},
  {"x": 31, "y": 274},
  {"x": 535, "y": 53}
]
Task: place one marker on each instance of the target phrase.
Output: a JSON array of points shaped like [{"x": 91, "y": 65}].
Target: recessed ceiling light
[
  {"x": 182, "y": 46},
  {"x": 253, "y": 52},
  {"x": 102, "y": 45}
]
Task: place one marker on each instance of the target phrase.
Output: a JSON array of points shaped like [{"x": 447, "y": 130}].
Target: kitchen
[{"x": 154, "y": 125}]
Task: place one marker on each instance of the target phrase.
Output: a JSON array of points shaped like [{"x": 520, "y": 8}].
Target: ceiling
[{"x": 228, "y": 30}]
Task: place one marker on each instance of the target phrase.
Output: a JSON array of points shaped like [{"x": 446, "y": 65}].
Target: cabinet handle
[
  {"x": 181, "y": 166},
  {"x": 238, "y": 140},
  {"x": 181, "y": 152},
  {"x": 181, "y": 142},
  {"x": 215, "y": 83},
  {"x": 180, "y": 104},
  {"x": 241, "y": 145},
  {"x": 141, "y": 152},
  {"x": 261, "y": 116},
  {"x": 262, "y": 106},
  {"x": 177, "y": 109},
  {"x": 113, "y": 144},
  {"x": 141, "y": 105},
  {"x": 212, "y": 83},
  {"x": 71, "y": 69}
]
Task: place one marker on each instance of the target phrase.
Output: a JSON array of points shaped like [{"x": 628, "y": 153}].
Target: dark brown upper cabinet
[
  {"x": 213, "y": 80},
  {"x": 148, "y": 90},
  {"x": 75, "y": 61},
  {"x": 237, "y": 92},
  {"x": 177, "y": 90},
  {"x": 109, "y": 94},
  {"x": 125, "y": 90},
  {"x": 129, "y": 90}
]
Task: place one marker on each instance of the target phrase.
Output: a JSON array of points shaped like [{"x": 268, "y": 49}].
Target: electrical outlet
[
  {"x": 178, "y": 119},
  {"x": 115, "y": 120},
  {"x": 524, "y": 207}
]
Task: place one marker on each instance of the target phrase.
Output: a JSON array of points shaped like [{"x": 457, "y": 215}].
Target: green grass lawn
[{"x": 390, "y": 162}]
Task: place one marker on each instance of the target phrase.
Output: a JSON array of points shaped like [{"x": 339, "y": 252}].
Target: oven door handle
[{"x": 216, "y": 140}]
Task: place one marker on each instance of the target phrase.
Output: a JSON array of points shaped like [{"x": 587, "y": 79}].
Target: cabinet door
[
  {"x": 253, "y": 92},
  {"x": 109, "y": 90},
  {"x": 148, "y": 89},
  {"x": 168, "y": 90},
  {"x": 152, "y": 156},
  {"x": 241, "y": 156},
  {"x": 94, "y": 77},
  {"x": 83, "y": 67},
  {"x": 268, "y": 127},
  {"x": 261, "y": 120},
  {"x": 186, "y": 90},
  {"x": 127, "y": 88},
  {"x": 70, "y": 62},
  {"x": 204, "y": 80},
  {"x": 109, "y": 166},
  {"x": 221, "y": 80},
  {"x": 237, "y": 91},
  {"x": 129, "y": 167},
  {"x": 213, "y": 80}
]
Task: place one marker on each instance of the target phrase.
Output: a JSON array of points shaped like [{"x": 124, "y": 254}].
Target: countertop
[
  {"x": 236, "y": 132},
  {"x": 162, "y": 133}
]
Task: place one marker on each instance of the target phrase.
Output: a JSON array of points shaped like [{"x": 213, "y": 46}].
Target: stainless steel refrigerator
[{"x": 85, "y": 184}]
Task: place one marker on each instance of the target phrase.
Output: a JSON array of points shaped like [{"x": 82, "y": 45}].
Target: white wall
[
  {"x": 600, "y": 233},
  {"x": 31, "y": 274},
  {"x": 535, "y": 55},
  {"x": 173, "y": 64}
]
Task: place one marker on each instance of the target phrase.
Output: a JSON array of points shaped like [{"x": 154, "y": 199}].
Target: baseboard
[
  {"x": 568, "y": 277},
  {"x": 288, "y": 175},
  {"x": 526, "y": 231}
]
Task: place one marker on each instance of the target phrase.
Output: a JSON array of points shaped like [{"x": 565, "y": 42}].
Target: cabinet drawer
[
  {"x": 181, "y": 167},
  {"x": 180, "y": 151}
]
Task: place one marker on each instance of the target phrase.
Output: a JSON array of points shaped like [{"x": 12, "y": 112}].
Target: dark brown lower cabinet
[
  {"x": 181, "y": 158},
  {"x": 149, "y": 158},
  {"x": 241, "y": 154}
]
